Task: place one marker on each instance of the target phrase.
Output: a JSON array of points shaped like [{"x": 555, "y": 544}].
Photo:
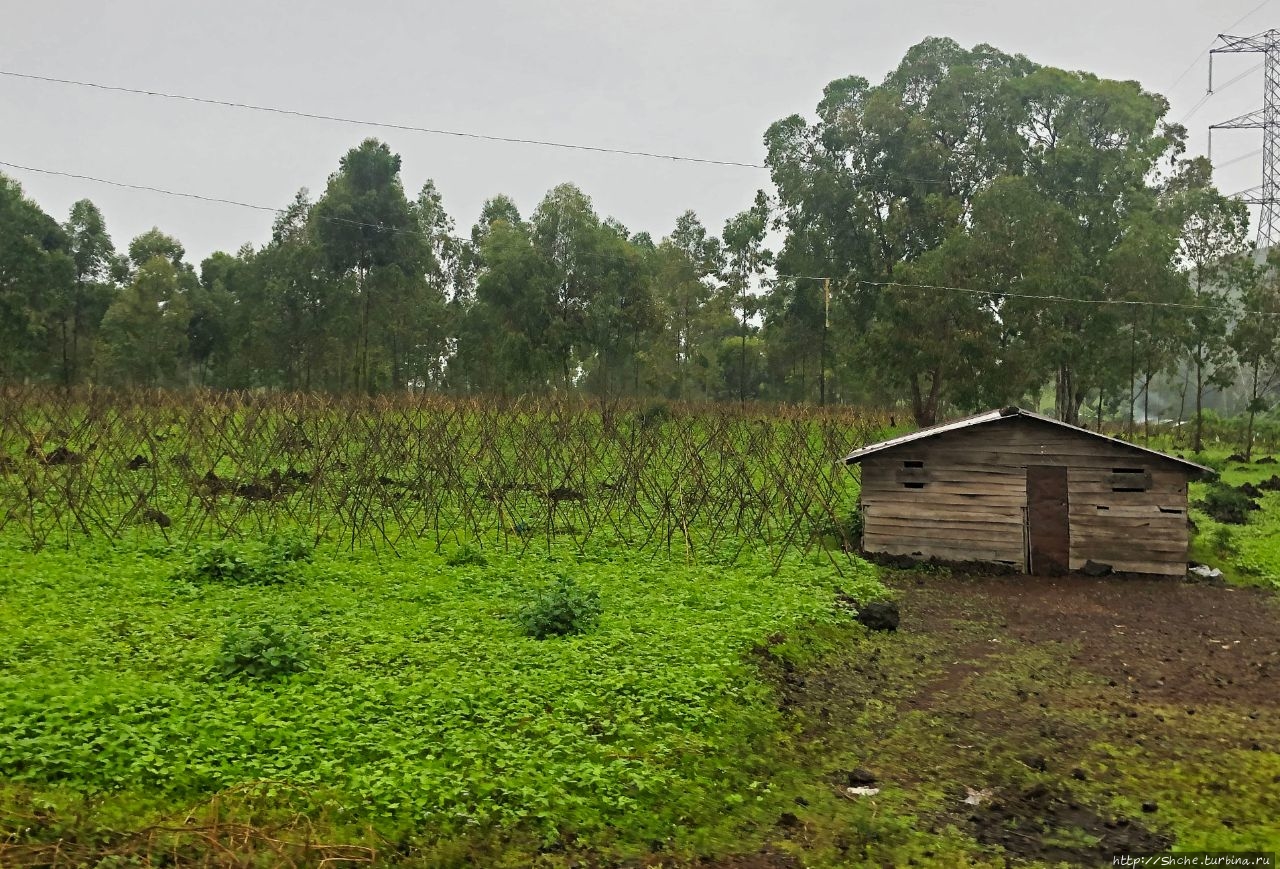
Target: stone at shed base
[
  {"x": 1094, "y": 568},
  {"x": 879, "y": 616}
]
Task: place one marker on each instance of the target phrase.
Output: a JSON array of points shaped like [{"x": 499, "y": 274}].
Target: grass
[
  {"x": 720, "y": 692},
  {"x": 1247, "y": 554},
  {"x": 425, "y": 715}
]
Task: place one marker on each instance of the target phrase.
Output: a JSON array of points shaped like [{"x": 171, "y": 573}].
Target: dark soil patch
[
  {"x": 1162, "y": 640},
  {"x": 1058, "y": 697},
  {"x": 1038, "y": 824}
]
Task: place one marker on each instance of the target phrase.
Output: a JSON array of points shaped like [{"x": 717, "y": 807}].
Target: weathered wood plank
[
  {"x": 928, "y": 518},
  {"x": 1007, "y": 535},
  {"x": 929, "y": 549},
  {"x": 942, "y": 499},
  {"x": 1159, "y": 568},
  {"x": 1101, "y": 547}
]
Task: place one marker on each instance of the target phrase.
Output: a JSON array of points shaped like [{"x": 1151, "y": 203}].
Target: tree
[
  {"x": 36, "y": 267},
  {"x": 1214, "y": 249},
  {"x": 144, "y": 332},
  {"x": 368, "y": 233},
  {"x": 746, "y": 258},
  {"x": 79, "y": 312},
  {"x": 1255, "y": 339}
]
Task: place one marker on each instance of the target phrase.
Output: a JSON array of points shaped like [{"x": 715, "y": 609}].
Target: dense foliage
[
  {"x": 968, "y": 168},
  {"x": 423, "y": 707},
  {"x": 562, "y": 608}
]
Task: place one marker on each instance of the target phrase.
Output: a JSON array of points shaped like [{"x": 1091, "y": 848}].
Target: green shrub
[
  {"x": 229, "y": 563},
  {"x": 654, "y": 415},
  {"x": 562, "y": 608},
  {"x": 467, "y": 555},
  {"x": 1227, "y": 504},
  {"x": 1223, "y": 541},
  {"x": 222, "y": 563},
  {"x": 298, "y": 546},
  {"x": 262, "y": 650}
]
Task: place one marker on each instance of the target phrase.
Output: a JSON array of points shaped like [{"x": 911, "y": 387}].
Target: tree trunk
[
  {"x": 1253, "y": 404},
  {"x": 1198, "y": 446}
]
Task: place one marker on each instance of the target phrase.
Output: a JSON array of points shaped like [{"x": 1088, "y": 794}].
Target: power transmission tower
[{"x": 1267, "y": 119}]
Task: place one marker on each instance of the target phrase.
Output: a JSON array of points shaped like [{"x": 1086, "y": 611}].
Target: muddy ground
[{"x": 1089, "y": 716}]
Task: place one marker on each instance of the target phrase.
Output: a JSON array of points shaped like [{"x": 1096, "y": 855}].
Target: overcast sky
[{"x": 697, "y": 77}]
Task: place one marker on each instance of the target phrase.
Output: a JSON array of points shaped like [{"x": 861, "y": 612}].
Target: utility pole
[
  {"x": 826, "y": 324},
  {"x": 1267, "y": 119}
]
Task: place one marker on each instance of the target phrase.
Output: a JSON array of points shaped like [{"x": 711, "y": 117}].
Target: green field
[
  {"x": 425, "y": 716},
  {"x": 397, "y": 710}
]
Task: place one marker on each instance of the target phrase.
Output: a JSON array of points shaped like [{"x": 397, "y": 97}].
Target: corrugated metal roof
[{"x": 1011, "y": 413}]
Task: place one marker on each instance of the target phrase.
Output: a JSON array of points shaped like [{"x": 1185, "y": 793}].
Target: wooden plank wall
[{"x": 974, "y": 496}]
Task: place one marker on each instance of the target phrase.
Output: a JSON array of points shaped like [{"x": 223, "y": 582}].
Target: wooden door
[{"x": 1048, "y": 528}]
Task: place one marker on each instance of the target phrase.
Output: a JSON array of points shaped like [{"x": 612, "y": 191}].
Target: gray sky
[{"x": 680, "y": 76}]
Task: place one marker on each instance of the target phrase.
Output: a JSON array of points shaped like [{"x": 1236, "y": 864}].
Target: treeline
[{"x": 986, "y": 223}]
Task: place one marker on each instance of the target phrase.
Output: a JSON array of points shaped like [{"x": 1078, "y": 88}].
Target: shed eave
[{"x": 1195, "y": 470}]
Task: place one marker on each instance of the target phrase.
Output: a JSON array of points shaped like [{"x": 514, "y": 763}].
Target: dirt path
[{"x": 1096, "y": 716}]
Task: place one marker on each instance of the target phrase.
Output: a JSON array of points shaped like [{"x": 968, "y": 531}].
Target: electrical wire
[
  {"x": 1235, "y": 160},
  {"x": 1200, "y": 57},
  {"x": 1033, "y": 297},
  {"x": 462, "y": 134},
  {"x": 878, "y": 284}
]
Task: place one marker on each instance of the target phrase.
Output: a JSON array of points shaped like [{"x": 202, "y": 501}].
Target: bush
[
  {"x": 655, "y": 414},
  {"x": 1227, "y": 504},
  {"x": 467, "y": 555},
  {"x": 262, "y": 651},
  {"x": 1223, "y": 541},
  {"x": 235, "y": 564},
  {"x": 283, "y": 548},
  {"x": 221, "y": 563},
  {"x": 562, "y": 608}
]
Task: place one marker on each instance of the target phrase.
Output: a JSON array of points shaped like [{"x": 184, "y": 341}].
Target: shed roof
[{"x": 993, "y": 416}]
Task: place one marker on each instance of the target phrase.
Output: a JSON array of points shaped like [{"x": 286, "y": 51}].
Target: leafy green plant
[
  {"x": 467, "y": 556},
  {"x": 1223, "y": 541},
  {"x": 222, "y": 563},
  {"x": 262, "y": 650},
  {"x": 293, "y": 547},
  {"x": 1228, "y": 504},
  {"x": 229, "y": 563},
  {"x": 561, "y": 609}
]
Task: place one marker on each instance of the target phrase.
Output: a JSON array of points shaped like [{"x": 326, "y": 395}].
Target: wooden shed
[{"x": 1017, "y": 488}]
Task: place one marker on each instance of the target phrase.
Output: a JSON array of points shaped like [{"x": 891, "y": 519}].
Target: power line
[
  {"x": 880, "y": 284},
  {"x": 1234, "y": 160},
  {"x": 1200, "y": 56},
  {"x": 1219, "y": 89},
  {"x": 890, "y": 285},
  {"x": 462, "y": 134},
  {"x": 202, "y": 198}
]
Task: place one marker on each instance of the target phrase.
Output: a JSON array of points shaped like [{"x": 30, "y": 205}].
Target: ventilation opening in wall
[
  {"x": 913, "y": 485},
  {"x": 912, "y": 464},
  {"x": 1136, "y": 483},
  {"x": 1172, "y": 511}
]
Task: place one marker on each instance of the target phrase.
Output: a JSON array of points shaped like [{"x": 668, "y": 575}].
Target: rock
[
  {"x": 1204, "y": 571},
  {"x": 1094, "y": 568},
  {"x": 860, "y": 777},
  {"x": 1266, "y": 460},
  {"x": 1036, "y": 762},
  {"x": 1150, "y": 807},
  {"x": 788, "y": 819},
  {"x": 879, "y": 615},
  {"x": 1239, "y": 459}
]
